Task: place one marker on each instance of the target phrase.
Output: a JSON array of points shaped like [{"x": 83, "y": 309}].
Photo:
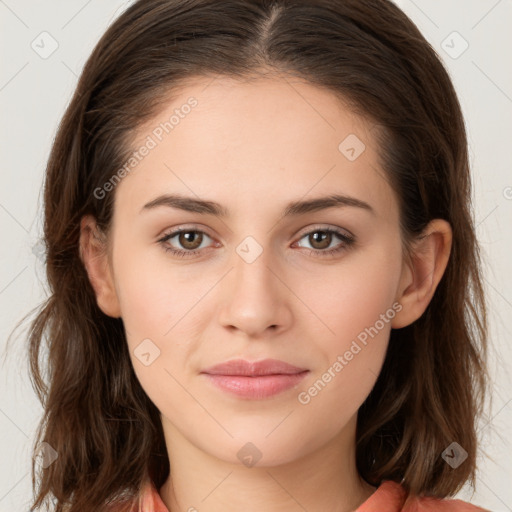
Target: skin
[{"x": 254, "y": 147}]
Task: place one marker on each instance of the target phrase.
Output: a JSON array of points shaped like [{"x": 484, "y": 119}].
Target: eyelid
[
  {"x": 325, "y": 227},
  {"x": 185, "y": 227}
]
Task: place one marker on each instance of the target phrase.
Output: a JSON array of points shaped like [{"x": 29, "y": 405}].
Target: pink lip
[{"x": 256, "y": 380}]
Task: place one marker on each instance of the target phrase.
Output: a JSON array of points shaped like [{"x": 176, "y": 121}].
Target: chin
[{"x": 254, "y": 448}]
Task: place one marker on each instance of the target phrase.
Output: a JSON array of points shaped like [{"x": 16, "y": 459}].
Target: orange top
[{"x": 389, "y": 497}]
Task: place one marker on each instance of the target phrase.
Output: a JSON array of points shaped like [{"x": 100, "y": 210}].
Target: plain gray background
[{"x": 44, "y": 46}]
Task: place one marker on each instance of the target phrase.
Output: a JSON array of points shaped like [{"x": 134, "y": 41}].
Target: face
[{"x": 313, "y": 287}]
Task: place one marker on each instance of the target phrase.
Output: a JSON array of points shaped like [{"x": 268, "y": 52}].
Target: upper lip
[{"x": 253, "y": 369}]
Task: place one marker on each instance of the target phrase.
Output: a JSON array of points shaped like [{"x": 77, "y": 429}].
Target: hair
[{"x": 371, "y": 56}]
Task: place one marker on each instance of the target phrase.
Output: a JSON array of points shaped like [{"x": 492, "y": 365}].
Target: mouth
[{"x": 255, "y": 380}]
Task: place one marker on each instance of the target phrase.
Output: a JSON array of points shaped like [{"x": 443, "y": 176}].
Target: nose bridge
[
  {"x": 253, "y": 267},
  {"x": 255, "y": 298}
]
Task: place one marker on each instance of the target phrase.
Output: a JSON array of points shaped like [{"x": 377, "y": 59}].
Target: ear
[
  {"x": 422, "y": 274},
  {"x": 94, "y": 255}
]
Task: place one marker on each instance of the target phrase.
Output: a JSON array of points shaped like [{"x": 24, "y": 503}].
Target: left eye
[
  {"x": 324, "y": 237},
  {"x": 192, "y": 241}
]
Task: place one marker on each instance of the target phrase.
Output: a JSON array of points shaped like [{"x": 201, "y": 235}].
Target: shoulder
[
  {"x": 423, "y": 504},
  {"x": 391, "y": 497}
]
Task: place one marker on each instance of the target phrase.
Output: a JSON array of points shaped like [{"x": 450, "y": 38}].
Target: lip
[
  {"x": 255, "y": 380},
  {"x": 253, "y": 369}
]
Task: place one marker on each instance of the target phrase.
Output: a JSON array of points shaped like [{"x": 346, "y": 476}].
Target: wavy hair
[{"x": 433, "y": 383}]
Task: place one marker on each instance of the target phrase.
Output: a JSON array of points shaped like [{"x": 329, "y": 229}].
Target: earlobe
[
  {"x": 94, "y": 256},
  {"x": 422, "y": 274}
]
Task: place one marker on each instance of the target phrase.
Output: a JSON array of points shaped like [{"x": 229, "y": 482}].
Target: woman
[{"x": 265, "y": 282}]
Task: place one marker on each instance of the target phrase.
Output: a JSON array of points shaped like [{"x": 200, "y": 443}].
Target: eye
[
  {"x": 190, "y": 239},
  {"x": 192, "y": 242},
  {"x": 321, "y": 239}
]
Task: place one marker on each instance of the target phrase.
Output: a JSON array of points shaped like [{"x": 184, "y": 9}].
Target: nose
[{"x": 255, "y": 298}]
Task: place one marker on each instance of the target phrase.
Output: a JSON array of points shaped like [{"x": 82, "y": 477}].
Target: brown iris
[
  {"x": 189, "y": 239},
  {"x": 320, "y": 237}
]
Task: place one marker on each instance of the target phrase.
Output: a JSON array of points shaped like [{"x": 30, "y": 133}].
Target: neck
[{"x": 324, "y": 479}]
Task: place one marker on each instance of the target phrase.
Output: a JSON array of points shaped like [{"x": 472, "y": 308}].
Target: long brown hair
[{"x": 432, "y": 387}]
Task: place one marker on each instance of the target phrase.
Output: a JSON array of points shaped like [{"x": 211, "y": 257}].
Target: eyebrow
[{"x": 294, "y": 208}]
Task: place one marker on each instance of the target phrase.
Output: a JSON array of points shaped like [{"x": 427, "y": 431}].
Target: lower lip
[{"x": 256, "y": 388}]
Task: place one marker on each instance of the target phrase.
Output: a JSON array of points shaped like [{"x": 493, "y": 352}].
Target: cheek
[
  {"x": 352, "y": 295},
  {"x": 162, "y": 317},
  {"x": 152, "y": 298},
  {"x": 355, "y": 301}
]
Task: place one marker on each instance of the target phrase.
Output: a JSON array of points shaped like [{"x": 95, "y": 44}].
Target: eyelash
[{"x": 346, "y": 239}]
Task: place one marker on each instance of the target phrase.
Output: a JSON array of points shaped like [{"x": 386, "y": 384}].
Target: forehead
[{"x": 242, "y": 142}]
